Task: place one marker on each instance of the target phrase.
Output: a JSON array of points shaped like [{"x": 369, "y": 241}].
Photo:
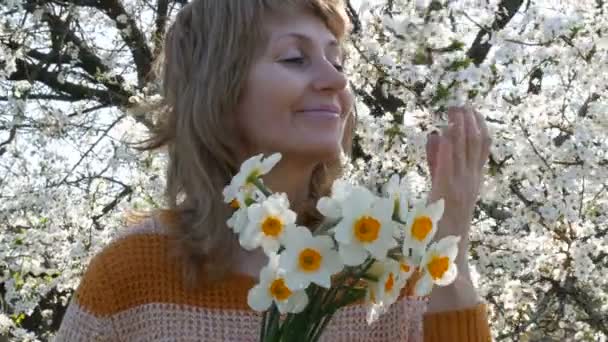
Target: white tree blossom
[{"x": 537, "y": 70}]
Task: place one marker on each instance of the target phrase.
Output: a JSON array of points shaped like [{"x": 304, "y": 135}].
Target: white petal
[
  {"x": 382, "y": 208},
  {"x": 295, "y": 236},
  {"x": 435, "y": 210},
  {"x": 344, "y": 231},
  {"x": 269, "y": 271},
  {"x": 289, "y": 216},
  {"x": 229, "y": 193},
  {"x": 240, "y": 222},
  {"x": 329, "y": 207},
  {"x": 251, "y": 162},
  {"x": 449, "y": 276},
  {"x": 392, "y": 186},
  {"x": 296, "y": 281},
  {"x": 448, "y": 246},
  {"x": 406, "y": 275},
  {"x": 300, "y": 301},
  {"x": 258, "y": 298},
  {"x": 341, "y": 189},
  {"x": 321, "y": 278},
  {"x": 248, "y": 238},
  {"x": 267, "y": 274},
  {"x": 378, "y": 249},
  {"x": 270, "y": 246},
  {"x": 424, "y": 285},
  {"x": 270, "y": 162},
  {"x": 333, "y": 262},
  {"x": 352, "y": 255},
  {"x": 231, "y": 221},
  {"x": 288, "y": 260},
  {"x": 255, "y": 212},
  {"x": 387, "y": 230},
  {"x": 427, "y": 256},
  {"x": 358, "y": 201},
  {"x": 403, "y": 207},
  {"x": 323, "y": 242}
]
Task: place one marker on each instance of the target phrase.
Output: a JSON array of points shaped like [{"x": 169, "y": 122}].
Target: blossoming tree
[{"x": 71, "y": 71}]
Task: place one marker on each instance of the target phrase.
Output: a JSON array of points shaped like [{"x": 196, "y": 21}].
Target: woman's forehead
[{"x": 299, "y": 26}]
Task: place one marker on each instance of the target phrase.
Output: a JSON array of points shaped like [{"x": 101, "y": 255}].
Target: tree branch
[
  {"x": 130, "y": 33},
  {"x": 162, "y": 7},
  {"x": 29, "y": 72},
  {"x": 481, "y": 46}
]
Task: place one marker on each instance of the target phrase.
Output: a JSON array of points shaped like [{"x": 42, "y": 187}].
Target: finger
[
  {"x": 445, "y": 158},
  {"x": 486, "y": 139},
  {"x": 456, "y": 134},
  {"x": 473, "y": 138}
]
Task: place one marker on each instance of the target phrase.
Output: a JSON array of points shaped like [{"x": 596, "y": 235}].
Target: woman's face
[{"x": 295, "y": 100}]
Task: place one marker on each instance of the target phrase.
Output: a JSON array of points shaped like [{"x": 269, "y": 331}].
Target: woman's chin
[{"x": 320, "y": 152}]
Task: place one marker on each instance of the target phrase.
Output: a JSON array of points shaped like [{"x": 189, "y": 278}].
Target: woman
[{"x": 242, "y": 77}]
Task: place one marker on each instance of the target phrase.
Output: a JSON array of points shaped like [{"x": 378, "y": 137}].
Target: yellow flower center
[
  {"x": 278, "y": 290},
  {"x": 421, "y": 227},
  {"x": 390, "y": 282},
  {"x": 235, "y": 204},
  {"x": 438, "y": 266},
  {"x": 405, "y": 267},
  {"x": 272, "y": 226},
  {"x": 367, "y": 229},
  {"x": 310, "y": 260}
]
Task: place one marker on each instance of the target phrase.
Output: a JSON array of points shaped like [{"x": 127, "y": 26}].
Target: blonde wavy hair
[{"x": 208, "y": 52}]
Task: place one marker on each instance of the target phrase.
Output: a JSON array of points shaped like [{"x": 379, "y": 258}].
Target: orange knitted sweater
[{"x": 133, "y": 291}]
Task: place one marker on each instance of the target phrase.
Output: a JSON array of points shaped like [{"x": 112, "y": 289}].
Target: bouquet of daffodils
[{"x": 365, "y": 250}]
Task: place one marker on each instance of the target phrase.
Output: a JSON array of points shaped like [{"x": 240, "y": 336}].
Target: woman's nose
[{"x": 329, "y": 78}]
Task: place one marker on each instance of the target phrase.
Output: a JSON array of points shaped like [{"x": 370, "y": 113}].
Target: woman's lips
[
  {"x": 325, "y": 111},
  {"x": 321, "y": 113}
]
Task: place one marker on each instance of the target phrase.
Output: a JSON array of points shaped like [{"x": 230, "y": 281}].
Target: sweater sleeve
[
  {"x": 466, "y": 325},
  {"x": 87, "y": 317}
]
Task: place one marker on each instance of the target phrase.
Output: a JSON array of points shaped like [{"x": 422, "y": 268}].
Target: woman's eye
[
  {"x": 294, "y": 60},
  {"x": 339, "y": 67}
]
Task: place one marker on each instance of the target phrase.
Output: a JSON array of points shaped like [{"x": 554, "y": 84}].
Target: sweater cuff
[{"x": 466, "y": 325}]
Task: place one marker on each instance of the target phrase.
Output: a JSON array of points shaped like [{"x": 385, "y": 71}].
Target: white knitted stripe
[
  {"x": 80, "y": 326},
  {"x": 173, "y": 322}
]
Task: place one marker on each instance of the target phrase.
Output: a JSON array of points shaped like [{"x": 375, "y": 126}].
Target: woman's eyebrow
[{"x": 299, "y": 36}]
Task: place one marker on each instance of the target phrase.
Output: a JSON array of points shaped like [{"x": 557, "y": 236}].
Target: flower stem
[
  {"x": 263, "y": 330},
  {"x": 258, "y": 183}
]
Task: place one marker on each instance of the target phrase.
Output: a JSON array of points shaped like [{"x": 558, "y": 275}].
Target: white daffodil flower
[
  {"x": 253, "y": 168},
  {"x": 438, "y": 265},
  {"x": 244, "y": 198},
  {"x": 421, "y": 226},
  {"x": 383, "y": 293},
  {"x": 308, "y": 258},
  {"x": 332, "y": 206},
  {"x": 388, "y": 287},
  {"x": 238, "y": 221},
  {"x": 396, "y": 190},
  {"x": 406, "y": 267},
  {"x": 366, "y": 227},
  {"x": 268, "y": 223},
  {"x": 272, "y": 287}
]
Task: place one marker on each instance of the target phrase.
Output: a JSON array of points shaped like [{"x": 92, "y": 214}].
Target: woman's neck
[{"x": 293, "y": 178}]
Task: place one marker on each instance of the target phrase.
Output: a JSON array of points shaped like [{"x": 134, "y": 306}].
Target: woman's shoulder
[
  {"x": 140, "y": 267},
  {"x": 124, "y": 265}
]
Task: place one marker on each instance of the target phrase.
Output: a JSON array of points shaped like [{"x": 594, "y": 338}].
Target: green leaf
[{"x": 460, "y": 64}]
